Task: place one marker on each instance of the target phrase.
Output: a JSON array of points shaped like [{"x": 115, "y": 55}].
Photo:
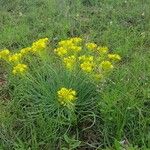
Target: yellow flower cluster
[
  {"x": 61, "y": 51},
  {"x": 76, "y": 40},
  {"x": 87, "y": 66},
  {"x": 39, "y": 45},
  {"x": 20, "y": 69},
  {"x": 91, "y": 60},
  {"x": 91, "y": 46},
  {"x": 25, "y": 51},
  {"x": 102, "y": 49},
  {"x": 69, "y": 61},
  {"x": 89, "y": 57},
  {"x": 71, "y": 41},
  {"x": 114, "y": 57},
  {"x": 74, "y": 53},
  {"x": 87, "y": 63},
  {"x": 17, "y": 58},
  {"x": 4, "y": 54},
  {"x": 66, "y": 96},
  {"x": 106, "y": 65},
  {"x": 71, "y": 46}
]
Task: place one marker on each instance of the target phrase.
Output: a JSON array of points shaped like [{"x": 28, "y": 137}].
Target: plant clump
[{"x": 56, "y": 89}]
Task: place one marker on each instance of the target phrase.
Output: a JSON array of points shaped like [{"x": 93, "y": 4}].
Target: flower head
[
  {"x": 76, "y": 40},
  {"x": 15, "y": 58},
  {"x": 87, "y": 66},
  {"x": 66, "y": 43},
  {"x": 70, "y": 45},
  {"x": 66, "y": 96},
  {"x": 69, "y": 61},
  {"x": 91, "y": 46},
  {"x": 114, "y": 57},
  {"x": 39, "y": 45},
  {"x": 102, "y": 49},
  {"x": 25, "y": 51},
  {"x": 75, "y": 48},
  {"x": 106, "y": 65},
  {"x": 87, "y": 63},
  {"x": 61, "y": 51},
  {"x": 19, "y": 69},
  {"x": 4, "y": 54}
]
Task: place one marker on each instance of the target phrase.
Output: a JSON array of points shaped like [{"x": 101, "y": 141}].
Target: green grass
[{"x": 121, "y": 25}]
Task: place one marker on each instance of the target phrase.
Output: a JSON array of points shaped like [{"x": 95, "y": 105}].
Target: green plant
[
  {"x": 55, "y": 94},
  {"x": 123, "y": 110}
]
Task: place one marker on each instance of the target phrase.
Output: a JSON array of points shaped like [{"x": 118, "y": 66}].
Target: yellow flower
[
  {"x": 26, "y": 50},
  {"x": 68, "y": 46},
  {"x": 91, "y": 46},
  {"x": 87, "y": 66},
  {"x": 19, "y": 69},
  {"x": 15, "y": 57},
  {"x": 4, "y": 54},
  {"x": 60, "y": 51},
  {"x": 106, "y": 65},
  {"x": 66, "y": 96},
  {"x": 75, "y": 48},
  {"x": 102, "y": 50},
  {"x": 61, "y": 43},
  {"x": 39, "y": 45},
  {"x": 66, "y": 43},
  {"x": 86, "y": 58},
  {"x": 70, "y": 61},
  {"x": 114, "y": 57},
  {"x": 76, "y": 40}
]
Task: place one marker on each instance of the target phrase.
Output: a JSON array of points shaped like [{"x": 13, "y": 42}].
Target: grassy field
[{"x": 123, "y": 26}]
